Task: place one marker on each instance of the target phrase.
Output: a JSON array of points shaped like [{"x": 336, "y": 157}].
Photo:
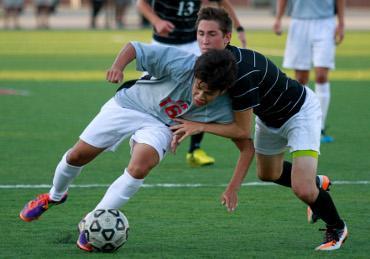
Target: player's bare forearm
[
  {"x": 125, "y": 57},
  {"x": 147, "y": 11},
  {"x": 237, "y": 25},
  {"x": 229, "y": 197},
  {"x": 246, "y": 149},
  {"x": 340, "y": 4}
]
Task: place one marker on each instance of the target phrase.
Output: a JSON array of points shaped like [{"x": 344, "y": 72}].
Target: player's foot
[
  {"x": 199, "y": 158},
  {"x": 326, "y": 138},
  {"x": 322, "y": 182},
  {"x": 34, "y": 208},
  {"x": 333, "y": 239},
  {"x": 82, "y": 242}
]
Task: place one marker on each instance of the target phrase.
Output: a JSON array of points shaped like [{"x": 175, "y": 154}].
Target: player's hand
[
  {"x": 186, "y": 128},
  {"x": 242, "y": 38},
  {"x": 175, "y": 143},
  {"x": 114, "y": 75},
  {"x": 277, "y": 27},
  {"x": 339, "y": 34},
  {"x": 163, "y": 27},
  {"x": 230, "y": 199}
]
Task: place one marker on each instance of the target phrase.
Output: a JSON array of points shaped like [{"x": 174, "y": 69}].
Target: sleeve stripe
[
  {"x": 263, "y": 78},
  {"x": 246, "y": 108},
  {"x": 250, "y": 90},
  {"x": 298, "y": 100},
  {"x": 247, "y": 74},
  {"x": 277, "y": 77}
]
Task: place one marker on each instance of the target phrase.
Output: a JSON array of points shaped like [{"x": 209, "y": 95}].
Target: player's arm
[
  {"x": 124, "y": 57},
  {"x": 280, "y": 10},
  {"x": 237, "y": 25},
  {"x": 162, "y": 27},
  {"x": 239, "y": 129},
  {"x": 339, "y": 32},
  {"x": 229, "y": 197}
]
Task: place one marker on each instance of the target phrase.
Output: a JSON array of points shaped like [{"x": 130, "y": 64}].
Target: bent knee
[
  {"x": 305, "y": 194},
  {"x": 77, "y": 158},
  {"x": 140, "y": 170}
]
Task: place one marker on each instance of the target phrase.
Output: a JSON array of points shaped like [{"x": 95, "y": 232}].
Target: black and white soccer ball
[{"x": 105, "y": 229}]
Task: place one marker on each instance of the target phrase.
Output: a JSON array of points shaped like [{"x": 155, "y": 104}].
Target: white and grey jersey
[
  {"x": 312, "y": 9},
  {"x": 169, "y": 95},
  {"x": 261, "y": 85}
]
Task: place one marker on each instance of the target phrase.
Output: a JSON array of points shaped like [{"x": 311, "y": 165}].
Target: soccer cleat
[
  {"x": 333, "y": 239},
  {"x": 34, "y": 208},
  {"x": 325, "y": 138},
  {"x": 199, "y": 158},
  {"x": 322, "y": 182},
  {"x": 82, "y": 242}
]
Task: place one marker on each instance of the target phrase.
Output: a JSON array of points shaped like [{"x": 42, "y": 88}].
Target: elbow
[{"x": 242, "y": 134}]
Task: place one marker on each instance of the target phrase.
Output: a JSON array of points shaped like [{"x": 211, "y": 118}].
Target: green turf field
[{"x": 53, "y": 83}]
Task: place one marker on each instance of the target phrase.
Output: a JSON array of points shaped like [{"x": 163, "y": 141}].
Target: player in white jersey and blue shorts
[
  {"x": 288, "y": 117},
  {"x": 174, "y": 25},
  {"x": 187, "y": 86},
  {"x": 311, "y": 41}
]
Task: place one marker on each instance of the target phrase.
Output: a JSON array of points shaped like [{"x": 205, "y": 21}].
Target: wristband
[{"x": 240, "y": 29}]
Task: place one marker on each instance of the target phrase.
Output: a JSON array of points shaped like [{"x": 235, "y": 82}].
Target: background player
[
  {"x": 311, "y": 39},
  {"x": 287, "y": 116},
  {"x": 174, "y": 25}
]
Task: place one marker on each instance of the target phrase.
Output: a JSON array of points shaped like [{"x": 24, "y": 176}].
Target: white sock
[
  {"x": 120, "y": 191},
  {"x": 323, "y": 93},
  {"x": 63, "y": 177}
]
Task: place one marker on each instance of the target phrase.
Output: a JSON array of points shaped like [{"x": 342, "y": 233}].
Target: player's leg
[
  {"x": 322, "y": 89},
  {"x": 304, "y": 187},
  {"x": 302, "y": 76},
  {"x": 67, "y": 170},
  {"x": 270, "y": 167},
  {"x": 144, "y": 158},
  {"x": 323, "y": 61},
  {"x": 104, "y": 131},
  {"x": 149, "y": 145}
]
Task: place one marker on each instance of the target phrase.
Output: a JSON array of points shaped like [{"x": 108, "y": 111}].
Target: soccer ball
[{"x": 105, "y": 229}]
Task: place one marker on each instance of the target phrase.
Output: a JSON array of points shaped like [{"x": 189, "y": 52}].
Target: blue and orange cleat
[
  {"x": 82, "y": 242},
  {"x": 34, "y": 208},
  {"x": 323, "y": 182}
]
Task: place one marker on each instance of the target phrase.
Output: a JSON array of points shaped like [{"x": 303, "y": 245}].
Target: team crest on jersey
[{"x": 173, "y": 108}]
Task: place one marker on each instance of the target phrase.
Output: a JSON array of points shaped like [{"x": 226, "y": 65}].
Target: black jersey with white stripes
[
  {"x": 261, "y": 85},
  {"x": 183, "y": 14}
]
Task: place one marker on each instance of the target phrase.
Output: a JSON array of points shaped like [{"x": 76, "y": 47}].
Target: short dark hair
[
  {"x": 217, "y": 68},
  {"x": 218, "y": 15}
]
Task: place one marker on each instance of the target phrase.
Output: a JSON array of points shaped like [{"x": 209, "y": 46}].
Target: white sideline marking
[{"x": 163, "y": 185}]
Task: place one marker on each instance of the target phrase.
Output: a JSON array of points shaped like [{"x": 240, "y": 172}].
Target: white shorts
[
  {"x": 301, "y": 132},
  {"x": 191, "y": 47},
  {"x": 113, "y": 124},
  {"x": 310, "y": 42}
]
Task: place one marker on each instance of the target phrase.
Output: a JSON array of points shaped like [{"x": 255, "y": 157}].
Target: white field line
[{"x": 163, "y": 185}]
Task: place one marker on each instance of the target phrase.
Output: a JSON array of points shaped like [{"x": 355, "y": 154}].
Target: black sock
[
  {"x": 195, "y": 142},
  {"x": 285, "y": 178},
  {"x": 324, "y": 207}
]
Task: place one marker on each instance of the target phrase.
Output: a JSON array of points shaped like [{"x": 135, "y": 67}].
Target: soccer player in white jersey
[
  {"x": 174, "y": 25},
  {"x": 312, "y": 37},
  {"x": 287, "y": 116},
  {"x": 187, "y": 86}
]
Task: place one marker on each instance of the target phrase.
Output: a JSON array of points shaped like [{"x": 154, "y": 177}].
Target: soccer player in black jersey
[
  {"x": 287, "y": 116},
  {"x": 174, "y": 25}
]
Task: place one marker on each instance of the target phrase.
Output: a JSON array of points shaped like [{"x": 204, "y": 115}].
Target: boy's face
[
  {"x": 209, "y": 36},
  {"x": 201, "y": 95}
]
